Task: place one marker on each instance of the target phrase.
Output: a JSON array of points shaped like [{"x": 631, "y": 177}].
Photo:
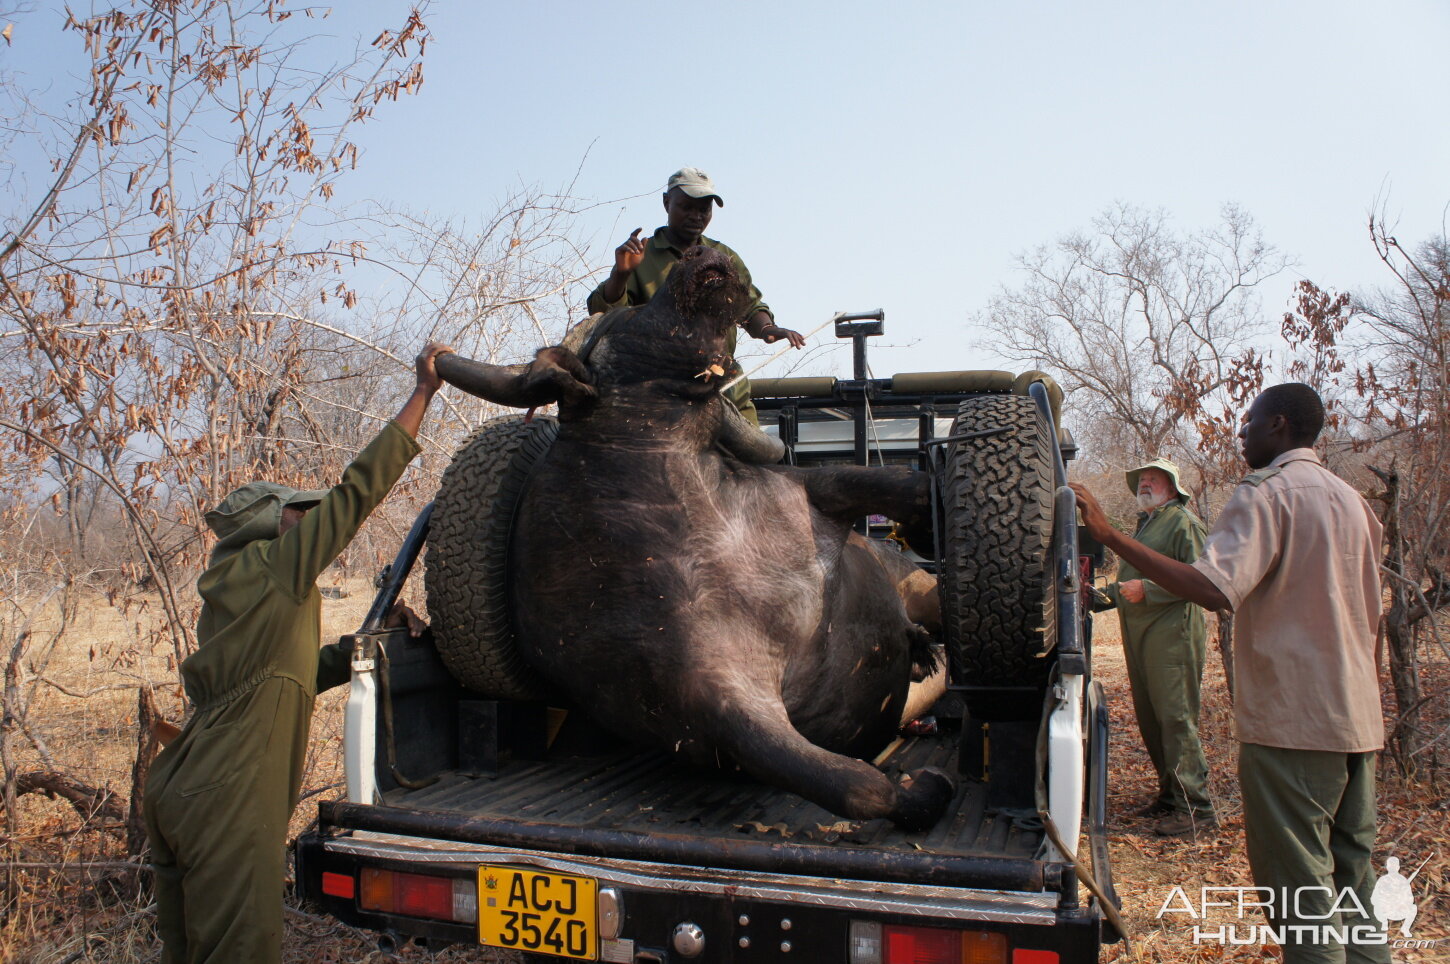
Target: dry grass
[
  {"x": 78, "y": 911},
  {"x": 81, "y": 910}
]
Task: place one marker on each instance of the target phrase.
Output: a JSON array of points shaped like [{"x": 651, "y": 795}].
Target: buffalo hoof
[{"x": 920, "y": 804}]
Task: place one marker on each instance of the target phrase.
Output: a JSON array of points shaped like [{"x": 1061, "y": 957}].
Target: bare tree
[
  {"x": 178, "y": 315},
  {"x": 1153, "y": 335},
  {"x": 1406, "y": 397},
  {"x": 149, "y": 288},
  {"x": 1148, "y": 329},
  {"x": 145, "y": 293}
]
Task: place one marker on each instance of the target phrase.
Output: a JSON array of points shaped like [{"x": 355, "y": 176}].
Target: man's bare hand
[
  {"x": 410, "y": 417},
  {"x": 628, "y": 255},
  {"x": 1094, "y": 519},
  {"x": 428, "y": 379},
  {"x": 402, "y": 615},
  {"x": 1132, "y": 591},
  {"x": 775, "y": 333}
]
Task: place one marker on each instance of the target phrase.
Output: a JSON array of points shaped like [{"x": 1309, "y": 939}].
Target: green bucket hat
[
  {"x": 1163, "y": 465},
  {"x": 253, "y": 512}
]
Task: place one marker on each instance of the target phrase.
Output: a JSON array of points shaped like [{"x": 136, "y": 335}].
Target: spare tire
[
  {"x": 468, "y": 556},
  {"x": 999, "y": 609}
]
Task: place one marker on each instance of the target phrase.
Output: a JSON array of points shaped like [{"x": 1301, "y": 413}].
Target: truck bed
[
  {"x": 650, "y": 792},
  {"x": 589, "y": 794}
]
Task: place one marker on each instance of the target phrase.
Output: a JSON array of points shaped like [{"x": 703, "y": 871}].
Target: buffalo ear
[{"x": 562, "y": 377}]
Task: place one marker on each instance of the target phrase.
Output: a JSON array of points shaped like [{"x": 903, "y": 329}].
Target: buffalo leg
[
  {"x": 917, "y": 589},
  {"x": 758, "y": 733},
  {"x": 850, "y": 492},
  {"x": 922, "y": 696}
]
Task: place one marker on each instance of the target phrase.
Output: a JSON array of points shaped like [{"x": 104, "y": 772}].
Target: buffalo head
[{"x": 674, "y": 345}]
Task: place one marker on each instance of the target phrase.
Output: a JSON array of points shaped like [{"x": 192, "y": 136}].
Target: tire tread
[
  {"x": 996, "y": 583},
  {"x": 468, "y": 555}
]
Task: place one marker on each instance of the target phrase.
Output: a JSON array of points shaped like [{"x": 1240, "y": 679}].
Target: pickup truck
[{"x": 514, "y": 824}]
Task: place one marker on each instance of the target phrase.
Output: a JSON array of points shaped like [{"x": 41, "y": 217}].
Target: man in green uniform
[
  {"x": 641, "y": 266},
  {"x": 1295, "y": 555},
  {"x": 219, "y": 796},
  {"x": 1164, "y": 643}
]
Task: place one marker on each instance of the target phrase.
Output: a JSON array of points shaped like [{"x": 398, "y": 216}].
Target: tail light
[
  {"x": 872, "y": 943},
  {"x": 921, "y": 945},
  {"x": 419, "y": 895},
  {"x": 339, "y": 885}
]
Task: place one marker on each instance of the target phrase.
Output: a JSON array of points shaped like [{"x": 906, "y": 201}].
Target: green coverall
[
  {"x": 219, "y": 796},
  {"x": 660, "y": 257},
  {"x": 1164, "y": 642}
]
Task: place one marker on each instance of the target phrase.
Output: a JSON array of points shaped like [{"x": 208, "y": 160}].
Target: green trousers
[
  {"x": 1309, "y": 820},
  {"x": 1166, "y": 673},
  {"x": 216, "y": 815}
]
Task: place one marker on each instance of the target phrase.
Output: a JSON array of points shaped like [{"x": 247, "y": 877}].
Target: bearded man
[{"x": 1164, "y": 642}]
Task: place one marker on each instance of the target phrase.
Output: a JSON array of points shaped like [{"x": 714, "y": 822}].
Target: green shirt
[
  {"x": 261, "y": 620},
  {"x": 660, "y": 258},
  {"x": 1178, "y": 534}
]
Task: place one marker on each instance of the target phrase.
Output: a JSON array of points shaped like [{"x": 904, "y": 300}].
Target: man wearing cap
[
  {"x": 1295, "y": 555},
  {"x": 219, "y": 796},
  {"x": 641, "y": 266},
  {"x": 1164, "y": 642}
]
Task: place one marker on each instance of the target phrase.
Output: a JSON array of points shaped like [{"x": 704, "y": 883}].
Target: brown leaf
[{"x": 758, "y": 827}]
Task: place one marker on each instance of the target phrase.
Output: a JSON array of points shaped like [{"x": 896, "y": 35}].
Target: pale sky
[{"x": 897, "y": 155}]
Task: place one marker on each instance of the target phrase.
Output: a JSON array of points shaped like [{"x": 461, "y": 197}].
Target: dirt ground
[{"x": 68, "y": 902}]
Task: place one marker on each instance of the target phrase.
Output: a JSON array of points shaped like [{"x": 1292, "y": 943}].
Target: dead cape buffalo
[{"x": 687, "y": 593}]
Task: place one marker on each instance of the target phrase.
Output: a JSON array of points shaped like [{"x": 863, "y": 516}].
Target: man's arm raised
[
  {"x": 428, "y": 383},
  {"x": 627, "y": 257},
  {"x": 1179, "y": 578}
]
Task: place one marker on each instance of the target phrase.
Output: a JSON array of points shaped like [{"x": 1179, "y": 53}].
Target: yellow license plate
[{"x": 533, "y": 911}]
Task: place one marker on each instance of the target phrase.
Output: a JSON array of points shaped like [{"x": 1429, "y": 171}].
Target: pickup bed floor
[{"x": 655, "y": 793}]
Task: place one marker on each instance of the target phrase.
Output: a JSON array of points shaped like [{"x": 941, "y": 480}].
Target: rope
[
  {"x": 1108, "y": 908},
  {"x": 871, "y": 421},
  {"x": 870, "y": 418},
  {"x": 829, "y": 321}
]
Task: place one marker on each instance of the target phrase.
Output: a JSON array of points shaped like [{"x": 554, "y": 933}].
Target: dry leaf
[
  {"x": 840, "y": 826},
  {"x": 759, "y": 827}
]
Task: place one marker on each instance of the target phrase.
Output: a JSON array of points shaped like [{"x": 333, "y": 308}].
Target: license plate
[{"x": 533, "y": 911}]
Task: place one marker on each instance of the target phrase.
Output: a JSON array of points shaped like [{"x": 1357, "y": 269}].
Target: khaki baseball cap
[
  {"x": 1162, "y": 465},
  {"x": 695, "y": 183}
]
